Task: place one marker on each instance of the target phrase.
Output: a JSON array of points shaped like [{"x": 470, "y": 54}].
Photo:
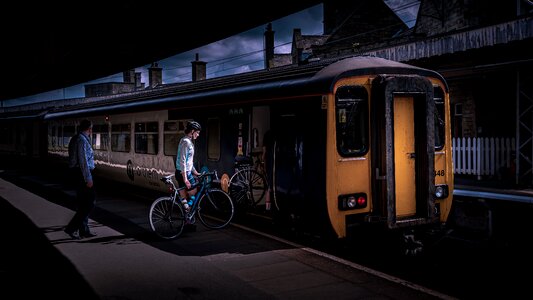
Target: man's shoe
[
  {"x": 74, "y": 235},
  {"x": 88, "y": 235}
]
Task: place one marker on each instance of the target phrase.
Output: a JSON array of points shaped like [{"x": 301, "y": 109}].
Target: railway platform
[
  {"x": 492, "y": 189},
  {"x": 126, "y": 261}
]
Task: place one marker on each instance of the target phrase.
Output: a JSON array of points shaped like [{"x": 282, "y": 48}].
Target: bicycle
[
  {"x": 213, "y": 206},
  {"x": 249, "y": 185}
]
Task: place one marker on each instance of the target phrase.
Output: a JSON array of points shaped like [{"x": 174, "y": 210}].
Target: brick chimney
[
  {"x": 198, "y": 69},
  {"x": 129, "y": 76},
  {"x": 138, "y": 83},
  {"x": 155, "y": 75},
  {"x": 269, "y": 45}
]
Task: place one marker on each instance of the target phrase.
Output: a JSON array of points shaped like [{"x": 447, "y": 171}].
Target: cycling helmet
[{"x": 193, "y": 125}]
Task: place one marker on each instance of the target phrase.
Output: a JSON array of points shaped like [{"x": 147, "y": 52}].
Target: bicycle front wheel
[
  {"x": 215, "y": 209},
  {"x": 248, "y": 187},
  {"x": 166, "y": 218}
]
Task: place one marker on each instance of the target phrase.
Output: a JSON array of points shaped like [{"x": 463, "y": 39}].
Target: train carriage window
[
  {"x": 351, "y": 112},
  {"x": 68, "y": 132},
  {"x": 213, "y": 139},
  {"x": 59, "y": 136},
  {"x": 100, "y": 136},
  {"x": 173, "y": 132},
  {"x": 51, "y": 137},
  {"x": 146, "y": 137},
  {"x": 438, "y": 95},
  {"x": 121, "y": 137}
]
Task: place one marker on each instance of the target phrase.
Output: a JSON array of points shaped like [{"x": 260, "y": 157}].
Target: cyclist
[{"x": 184, "y": 163}]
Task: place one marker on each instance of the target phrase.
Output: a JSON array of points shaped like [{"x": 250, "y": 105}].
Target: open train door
[{"x": 402, "y": 110}]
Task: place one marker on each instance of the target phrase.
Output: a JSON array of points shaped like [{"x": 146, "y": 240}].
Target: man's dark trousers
[{"x": 86, "y": 201}]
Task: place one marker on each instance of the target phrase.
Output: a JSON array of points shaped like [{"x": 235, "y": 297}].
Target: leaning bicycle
[
  {"x": 249, "y": 185},
  {"x": 212, "y": 206}
]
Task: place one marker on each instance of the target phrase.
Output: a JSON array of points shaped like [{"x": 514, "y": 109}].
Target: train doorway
[
  {"x": 404, "y": 152},
  {"x": 404, "y": 155}
]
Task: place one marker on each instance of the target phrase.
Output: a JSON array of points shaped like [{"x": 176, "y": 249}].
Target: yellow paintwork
[
  {"x": 443, "y": 158},
  {"x": 344, "y": 175},
  {"x": 353, "y": 175},
  {"x": 404, "y": 145}
]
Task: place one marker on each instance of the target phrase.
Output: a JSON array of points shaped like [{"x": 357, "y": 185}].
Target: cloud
[{"x": 242, "y": 52}]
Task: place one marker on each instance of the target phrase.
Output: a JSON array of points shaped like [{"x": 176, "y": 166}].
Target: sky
[{"x": 237, "y": 54}]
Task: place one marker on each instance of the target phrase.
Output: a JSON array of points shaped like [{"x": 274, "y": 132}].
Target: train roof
[{"x": 310, "y": 79}]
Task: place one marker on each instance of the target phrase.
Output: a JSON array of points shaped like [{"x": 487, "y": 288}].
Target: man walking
[{"x": 81, "y": 164}]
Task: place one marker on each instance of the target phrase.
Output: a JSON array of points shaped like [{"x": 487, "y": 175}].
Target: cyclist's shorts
[{"x": 179, "y": 179}]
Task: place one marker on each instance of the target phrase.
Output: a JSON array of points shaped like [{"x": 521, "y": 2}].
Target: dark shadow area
[
  {"x": 30, "y": 266},
  {"x": 125, "y": 208},
  {"x": 468, "y": 264}
]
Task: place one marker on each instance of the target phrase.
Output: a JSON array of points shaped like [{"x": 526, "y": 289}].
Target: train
[{"x": 357, "y": 141}]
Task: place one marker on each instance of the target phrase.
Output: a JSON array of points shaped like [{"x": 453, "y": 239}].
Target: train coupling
[{"x": 412, "y": 246}]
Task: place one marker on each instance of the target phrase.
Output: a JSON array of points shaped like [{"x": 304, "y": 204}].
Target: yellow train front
[
  {"x": 388, "y": 154},
  {"x": 377, "y": 148}
]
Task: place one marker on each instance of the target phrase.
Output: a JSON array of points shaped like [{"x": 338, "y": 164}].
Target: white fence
[{"x": 482, "y": 156}]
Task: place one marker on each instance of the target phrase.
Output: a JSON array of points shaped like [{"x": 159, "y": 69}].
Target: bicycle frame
[
  {"x": 212, "y": 205},
  {"x": 176, "y": 196},
  {"x": 199, "y": 194}
]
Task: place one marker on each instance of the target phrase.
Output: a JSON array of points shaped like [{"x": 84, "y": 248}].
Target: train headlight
[
  {"x": 441, "y": 191},
  {"x": 352, "y": 201}
]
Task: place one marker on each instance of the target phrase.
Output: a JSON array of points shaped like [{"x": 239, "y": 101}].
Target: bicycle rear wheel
[
  {"x": 248, "y": 187},
  {"x": 215, "y": 209},
  {"x": 166, "y": 218}
]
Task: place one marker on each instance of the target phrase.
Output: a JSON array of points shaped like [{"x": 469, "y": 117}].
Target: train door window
[
  {"x": 438, "y": 95},
  {"x": 146, "y": 137},
  {"x": 57, "y": 131},
  {"x": 351, "y": 113},
  {"x": 173, "y": 132},
  {"x": 100, "y": 136},
  {"x": 121, "y": 137},
  {"x": 68, "y": 132},
  {"x": 213, "y": 139},
  {"x": 6, "y": 134},
  {"x": 51, "y": 136}
]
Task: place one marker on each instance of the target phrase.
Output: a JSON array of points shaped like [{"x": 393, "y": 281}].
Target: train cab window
[
  {"x": 68, "y": 132},
  {"x": 351, "y": 113},
  {"x": 146, "y": 137},
  {"x": 121, "y": 137},
  {"x": 100, "y": 136},
  {"x": 173, "y": 132},
  {"x": 213, "y": 139},
  {"x": 438, "y": 95}
]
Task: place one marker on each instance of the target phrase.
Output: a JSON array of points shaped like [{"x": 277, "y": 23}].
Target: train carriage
[{"x": 357, "y": 140}]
